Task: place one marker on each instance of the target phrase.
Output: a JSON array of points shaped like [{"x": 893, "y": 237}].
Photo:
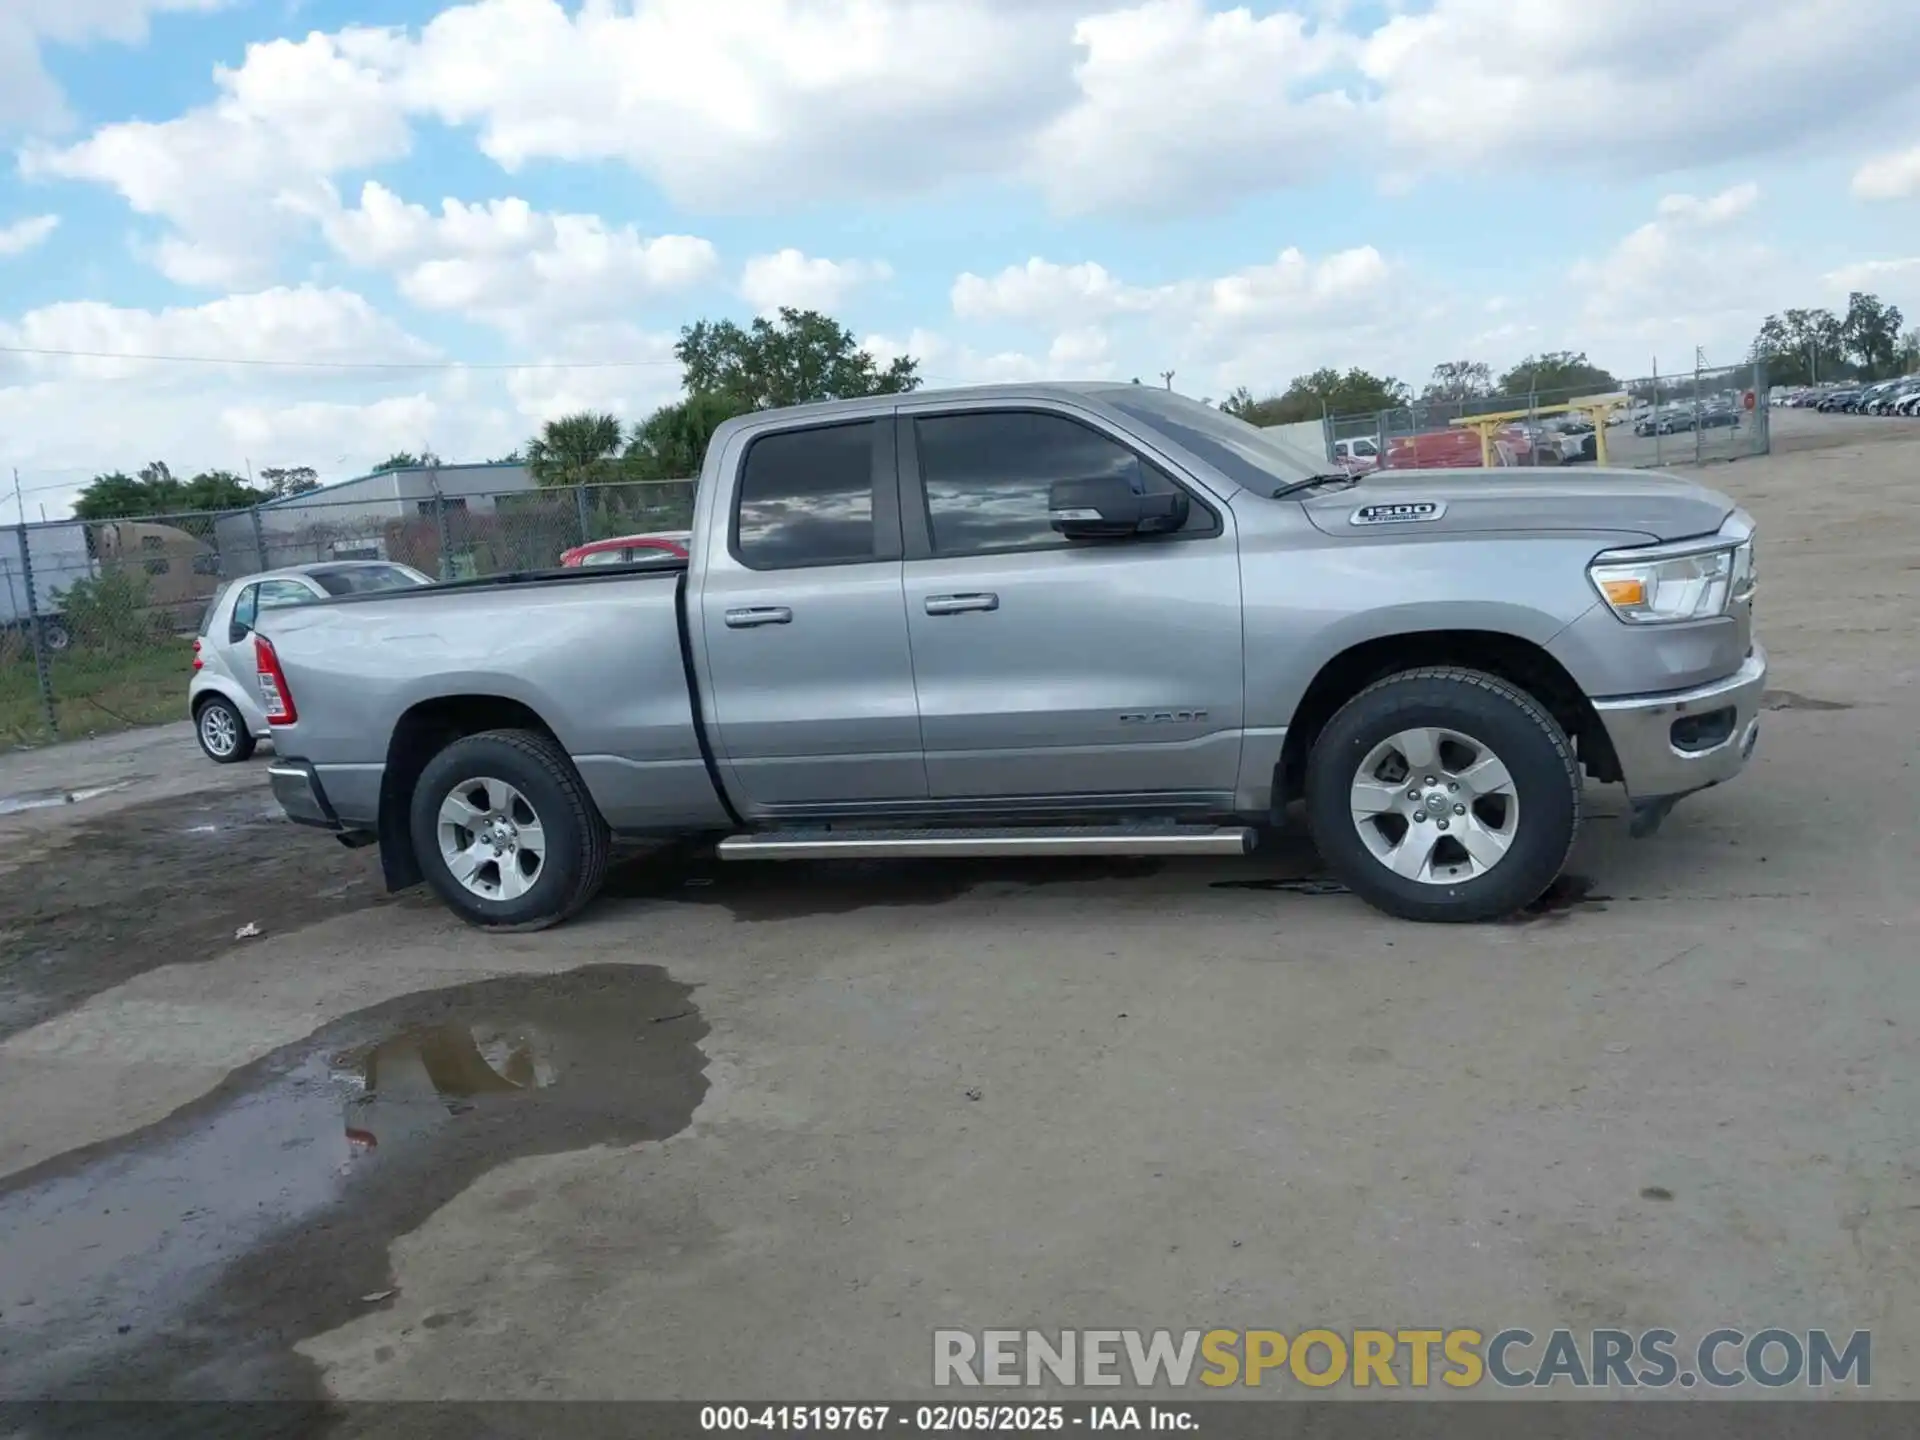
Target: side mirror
[{"x": 1107, "y": 507}]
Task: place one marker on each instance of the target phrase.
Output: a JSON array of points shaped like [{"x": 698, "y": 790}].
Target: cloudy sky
[{"x": 462, "y": 219}]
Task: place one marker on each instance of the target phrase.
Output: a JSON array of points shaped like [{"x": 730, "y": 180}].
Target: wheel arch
[
  {"x": 422, "y": 732},
  {"x": 1512, "y": 658}
]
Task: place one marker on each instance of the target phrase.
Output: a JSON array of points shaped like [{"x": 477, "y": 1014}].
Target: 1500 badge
[{"x": 1405, "y": 512}]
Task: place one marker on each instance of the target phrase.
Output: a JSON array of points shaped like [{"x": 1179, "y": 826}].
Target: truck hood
[{"x": 1622, "y": 502}]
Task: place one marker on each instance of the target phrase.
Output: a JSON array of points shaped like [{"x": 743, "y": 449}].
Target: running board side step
[{"x": 969, "y": 844}]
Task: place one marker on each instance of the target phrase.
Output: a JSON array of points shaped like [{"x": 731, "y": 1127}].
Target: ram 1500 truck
[{"x": 1047, "y": 619}]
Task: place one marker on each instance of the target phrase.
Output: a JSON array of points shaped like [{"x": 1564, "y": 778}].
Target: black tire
[
  {"x": 218, "y": 707},
  {"x": 55, "y": 636},
  {"x": 578, "y": 843},
  {"x": 1503, "y": 718}
]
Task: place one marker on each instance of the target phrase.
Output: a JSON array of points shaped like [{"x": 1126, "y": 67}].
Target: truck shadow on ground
[{"x": 771, "y": 891}]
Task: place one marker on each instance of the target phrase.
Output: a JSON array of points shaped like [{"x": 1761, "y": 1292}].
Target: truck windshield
[{"x": 1243, "y": 453}]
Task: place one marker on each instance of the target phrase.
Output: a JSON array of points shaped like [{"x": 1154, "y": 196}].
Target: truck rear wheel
[
  {"x": 1444, "y": 795},
  {"x": 506, "y": 833}
]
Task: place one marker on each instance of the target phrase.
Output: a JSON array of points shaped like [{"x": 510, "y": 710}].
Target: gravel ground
[{"x": 761, "y": 1130}]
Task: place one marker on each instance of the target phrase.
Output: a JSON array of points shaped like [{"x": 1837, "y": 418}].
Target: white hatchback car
[{"x": 224, "y": 697}]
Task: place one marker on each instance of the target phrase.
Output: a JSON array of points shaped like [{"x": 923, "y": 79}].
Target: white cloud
[
  {"x": 29, "y": 96},
  {"x": 311, "y": 427},
  {"x": 505, "y": 263},
  {"x": 546, "y": 389},
  {"x": 230, "y": 178},
  {"x": 1889, "y": 177},
  {"x": 304, "y": 323},
  {"x": 1288, "y": 289},
  {"x": 1041, "y": 290},
  {"x": 23, "y": 235},
  {"x": 1691, "y": 277},
  {"x": 1866, "y": 274},
  {"x": 789, "y": 277},
  {"x": 1081, "y": 354},
  {"x": 72, "y": 416},
  {"x": 1631, "y": 85},
  {"x": 1689, "y": 210},
  {"x": 741, "y": 105},
  {"x": 1182, "y": 105}
]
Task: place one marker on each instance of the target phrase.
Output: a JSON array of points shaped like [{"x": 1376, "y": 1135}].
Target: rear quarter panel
[{"x": 598, "y": 659}]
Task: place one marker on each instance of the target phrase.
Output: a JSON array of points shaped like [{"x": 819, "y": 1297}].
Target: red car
[{"x": 663, "y": 547}]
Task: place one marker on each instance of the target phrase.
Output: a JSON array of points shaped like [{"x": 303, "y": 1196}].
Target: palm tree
[{"x": 575, "y": 449}]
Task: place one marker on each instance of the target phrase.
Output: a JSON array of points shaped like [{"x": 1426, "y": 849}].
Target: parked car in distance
[
  {"x": 1042, "y": 620},
  {"x": 223, "y": 697},
  {"x": 661, "y": 546},
  {"x": 1357, "y": 455}
]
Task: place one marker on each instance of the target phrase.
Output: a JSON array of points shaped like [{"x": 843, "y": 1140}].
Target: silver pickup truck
[{"x": 1046, "y": 619}]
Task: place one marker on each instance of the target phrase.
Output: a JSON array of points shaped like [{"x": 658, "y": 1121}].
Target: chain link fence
[
  {"x": 98, "y": 618},
  {"x": 1657, "y": 422}
]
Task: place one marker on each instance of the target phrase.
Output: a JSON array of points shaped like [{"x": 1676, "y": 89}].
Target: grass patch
[{"x": 95, "y": 691}]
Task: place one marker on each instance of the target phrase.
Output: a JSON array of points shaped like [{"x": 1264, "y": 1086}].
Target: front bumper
[
  {"x": 1672, "y": 744},
  {"x": 297, "y": 788}
]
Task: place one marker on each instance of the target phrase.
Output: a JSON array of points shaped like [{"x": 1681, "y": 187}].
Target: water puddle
[
  {"x": 186, "y": 1260},
  {"x": 25, "y": 800}
]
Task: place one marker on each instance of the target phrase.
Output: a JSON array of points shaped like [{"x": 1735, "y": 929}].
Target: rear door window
[{"x": 806, "y": 497}]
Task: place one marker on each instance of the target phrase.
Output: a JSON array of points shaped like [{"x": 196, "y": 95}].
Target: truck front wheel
[
  {"x": 1444, "y": 795},
  {"x": 506, "y": 833}
]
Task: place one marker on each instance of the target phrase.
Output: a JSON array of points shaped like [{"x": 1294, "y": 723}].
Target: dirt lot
[{"x": 760, "y": 1131}]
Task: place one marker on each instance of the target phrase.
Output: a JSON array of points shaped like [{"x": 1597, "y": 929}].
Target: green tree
[
  {"x": 406, "y": 460},
  {"x": 217, "y": 490},
  {"x": 1456, "y": 382},
  {"x": 1240, "y": 402},
  {"x": 1910, "y": 351},
  {"x": 290, "y": 480},
  {"x": 1321, "y": 392},
  {"x": 1801, "y": 347},
  {"x": 575, "y": 449},
  {"x": 801, "y": 356},
  {"x": 1871, "y": 332},
  {"x": 113, "y": 496},
  {"x": 155, "y": 492},
  {"x": 671, "y": 443},
  {"x": 1557, "y": 375}
]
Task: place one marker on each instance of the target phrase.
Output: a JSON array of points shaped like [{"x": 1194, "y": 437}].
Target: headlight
[{"x": 1681, "y": 587}]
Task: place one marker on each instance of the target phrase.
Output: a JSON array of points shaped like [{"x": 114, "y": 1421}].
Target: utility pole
[{"x": 1167, "y": 375}]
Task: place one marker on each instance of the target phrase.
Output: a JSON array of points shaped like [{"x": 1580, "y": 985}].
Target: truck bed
[{"x": 608, "y": 641}]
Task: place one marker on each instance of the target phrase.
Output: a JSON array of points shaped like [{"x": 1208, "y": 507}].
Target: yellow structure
[{"x": 1597, "y": 408}]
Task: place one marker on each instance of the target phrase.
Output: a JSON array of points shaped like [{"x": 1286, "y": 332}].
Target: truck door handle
[
  {"x": 955, "y": 604},
  {"x": 759, "y": 615}
]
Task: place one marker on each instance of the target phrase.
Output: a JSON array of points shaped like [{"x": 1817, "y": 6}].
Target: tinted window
[
  {"x": 987, "y": 476},
  {"x": 604, "y": 557},
  {"x": 806, "y": 498},
  {"x": 246, "y": 610},
  {"x": 365, "y": 579}
]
